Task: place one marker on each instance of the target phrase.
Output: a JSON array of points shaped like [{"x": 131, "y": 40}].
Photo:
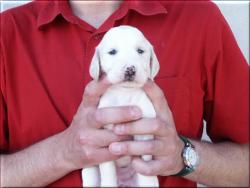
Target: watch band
[
  {"x": 186, "y": 141},
  {"x": 186, "y": 170}
]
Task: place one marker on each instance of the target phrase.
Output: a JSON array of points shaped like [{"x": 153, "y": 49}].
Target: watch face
[{"x": 190, "y": 157}]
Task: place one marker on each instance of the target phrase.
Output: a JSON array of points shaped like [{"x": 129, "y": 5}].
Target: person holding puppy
[{"x": 49, "y": 131}]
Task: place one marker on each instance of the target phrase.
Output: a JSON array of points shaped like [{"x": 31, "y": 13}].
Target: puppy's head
[{"x": 125, "y": 56}]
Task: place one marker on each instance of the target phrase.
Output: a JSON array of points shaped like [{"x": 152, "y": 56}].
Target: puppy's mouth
[{"x": 128, "y": 78}]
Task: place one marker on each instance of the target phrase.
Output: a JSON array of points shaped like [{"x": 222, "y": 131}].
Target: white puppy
[{"x": 128, "y": 60}]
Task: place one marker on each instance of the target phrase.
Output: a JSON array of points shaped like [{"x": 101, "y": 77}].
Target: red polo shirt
[{"x": 45, "y": 57}]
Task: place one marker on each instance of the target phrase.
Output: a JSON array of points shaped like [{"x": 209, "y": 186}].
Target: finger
[
  {"x": 143, "y": 126},
  {"x": 93, "y": 91},
  {"x": 156, "y": 95},
  {"x": 148, "y": 168},
  {"x": 113, "y": 115},
  {"x": 101, "y": 138},
  {"x": 99, "y": 155},
  {"x": 152, "y": 147},
  {"x": 158, "y": 99}
]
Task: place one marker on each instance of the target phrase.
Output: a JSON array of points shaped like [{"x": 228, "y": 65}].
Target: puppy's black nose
[{"x": 130, "y": 73}]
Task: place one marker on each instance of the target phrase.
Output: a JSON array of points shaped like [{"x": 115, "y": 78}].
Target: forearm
[
  {"x": 224, "y": 164},
  {"x": 38, "y": 165}
]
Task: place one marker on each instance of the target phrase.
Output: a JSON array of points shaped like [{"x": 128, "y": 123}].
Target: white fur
[{"x": 126, "y": 40}]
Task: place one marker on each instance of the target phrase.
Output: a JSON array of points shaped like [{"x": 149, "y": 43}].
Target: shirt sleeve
[
  {"x": 226, "y": 108},
  {"x": 3, "y": 127},
  {"x": 3, "y": 107}
]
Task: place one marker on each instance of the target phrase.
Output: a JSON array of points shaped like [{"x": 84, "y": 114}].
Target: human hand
[
  {"x": 166, "y": 148},
  {"x": 85, "y": 142}
]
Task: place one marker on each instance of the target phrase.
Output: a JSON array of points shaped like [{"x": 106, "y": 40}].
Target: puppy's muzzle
[{"x": 130, "y": 73}]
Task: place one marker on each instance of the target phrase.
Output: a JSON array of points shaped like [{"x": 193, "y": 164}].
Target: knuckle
[
  {"x": 126, "y": 128},
  {"x": 89, "y": 154},
  {"x": 102, "y": 142},
  {"x": 86, "y": 139},
  {"x": 97, "y": 116},
  {"x": 157, "y": 125},
  {"x": 83, "y": 139},
  {"x": 126, "y": 147},
  {"x": 106, "y": 139},
  {"x": 151, "y": 146}
]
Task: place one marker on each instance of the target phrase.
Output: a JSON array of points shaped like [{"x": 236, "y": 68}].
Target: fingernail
[
  {"x": 116, "y": 148},
  {"x": 135, "y": 112}
]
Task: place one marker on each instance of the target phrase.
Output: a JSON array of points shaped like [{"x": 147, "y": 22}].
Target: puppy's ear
[
  {"x": 154, "y": 64},
  {"x": 95, "y": 66}
]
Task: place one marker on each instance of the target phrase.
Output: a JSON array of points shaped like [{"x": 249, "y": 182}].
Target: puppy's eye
[
  {"x": 140, "y": 51},
  {"x": 112, "y": 52}
]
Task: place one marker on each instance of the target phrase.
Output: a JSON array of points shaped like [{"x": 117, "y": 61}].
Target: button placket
[{"x": 97, "y": 36}]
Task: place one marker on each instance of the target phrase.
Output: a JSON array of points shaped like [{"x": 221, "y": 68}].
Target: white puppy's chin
[{"x": 118, "y": 81}]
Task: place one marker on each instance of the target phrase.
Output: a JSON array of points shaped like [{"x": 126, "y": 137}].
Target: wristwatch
[{"x": 190, "y": 157}]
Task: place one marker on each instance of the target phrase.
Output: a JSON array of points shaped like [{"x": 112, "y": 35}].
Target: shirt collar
[
  {"x": 152, "y": 8},
  {"x": 51, "y": 9}
]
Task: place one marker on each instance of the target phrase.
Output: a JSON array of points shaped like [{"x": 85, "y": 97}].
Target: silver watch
[{"x": 190, "y": 158}]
